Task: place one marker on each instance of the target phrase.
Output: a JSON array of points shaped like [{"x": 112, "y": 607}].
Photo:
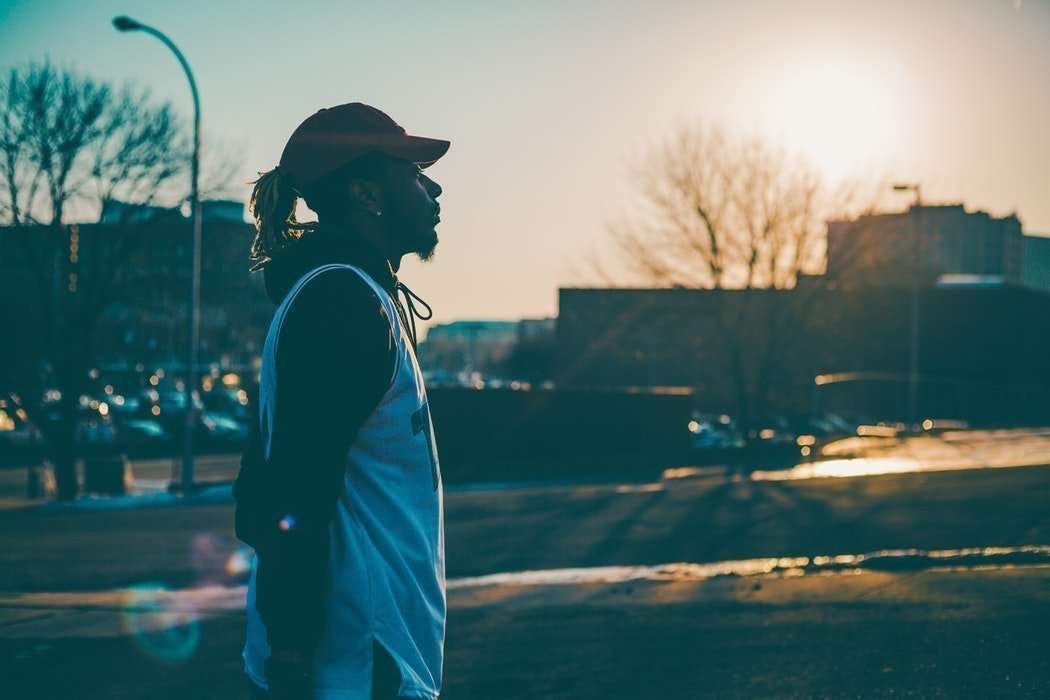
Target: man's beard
[{"x": 425, "y": 251}]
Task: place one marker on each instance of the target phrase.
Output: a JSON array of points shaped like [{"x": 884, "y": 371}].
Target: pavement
[
  {"x": 151, "y": 477},
  {"x": 700, "y": 584},
  {"x": 950, "y": 634}
]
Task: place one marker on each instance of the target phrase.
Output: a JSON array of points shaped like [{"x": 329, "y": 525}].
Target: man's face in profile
[{"x": 410, "y": 199}]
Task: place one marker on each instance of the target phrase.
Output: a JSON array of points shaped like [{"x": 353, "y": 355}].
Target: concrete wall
[
  {"x": 983, "y": 352},
  {"x": 496, "y": 435}
]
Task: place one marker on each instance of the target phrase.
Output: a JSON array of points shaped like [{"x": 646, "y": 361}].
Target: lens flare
[{"x": 158, "y": 626}]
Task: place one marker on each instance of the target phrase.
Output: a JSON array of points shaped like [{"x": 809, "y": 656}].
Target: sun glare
[{"x": 844, "y": 117}]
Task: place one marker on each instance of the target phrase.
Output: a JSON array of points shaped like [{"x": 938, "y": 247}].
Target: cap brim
[{"x": 420, "y": 150}]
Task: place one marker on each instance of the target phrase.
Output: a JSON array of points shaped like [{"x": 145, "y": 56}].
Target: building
[
  {"x": 933, "y": 241},
  {"x": 1037, "y": 262},
  {"x": 144, "y": 313},
  {"x": 982, "y": 348},
  {"x": 491, "y": 348},
  {"x": 984, "y": 296}
]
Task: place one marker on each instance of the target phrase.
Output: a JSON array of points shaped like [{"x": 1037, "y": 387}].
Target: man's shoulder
[
  {"x": 335, "y": 296},
  {"x": 338, "y": 286}
]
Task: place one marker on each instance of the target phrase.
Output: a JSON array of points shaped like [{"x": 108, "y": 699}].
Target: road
[{"x": 962, "y": 626}]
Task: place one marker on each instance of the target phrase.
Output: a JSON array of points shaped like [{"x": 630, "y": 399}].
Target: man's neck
[
  {"x": 349, "y": 245},
  {"x": 366, "y": 231}
]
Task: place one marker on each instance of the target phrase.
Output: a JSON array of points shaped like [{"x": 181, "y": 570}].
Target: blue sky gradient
[{"x": 546, "y": 103}]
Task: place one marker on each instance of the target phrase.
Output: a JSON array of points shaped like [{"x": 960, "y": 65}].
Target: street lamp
[
  {"x": 913, "y": 353},
  {"x": 127, "y": 24}
]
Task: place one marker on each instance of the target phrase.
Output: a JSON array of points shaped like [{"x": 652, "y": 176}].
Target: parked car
[
  {"x": 97, "y": 436},
  {"x": 713, "y": 432},
  {"x": 20, "y": 440},
  {"x": 141, "y": 436},
  {"x": 218, "y": 430},
  {"x": 773, "y": 430}
]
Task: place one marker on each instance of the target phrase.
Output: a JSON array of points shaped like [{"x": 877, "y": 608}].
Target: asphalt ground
[
  {"x": 947, "y": 634},
  {"x": 956, "y": 632},
  {"x": 682, "y": 520}
]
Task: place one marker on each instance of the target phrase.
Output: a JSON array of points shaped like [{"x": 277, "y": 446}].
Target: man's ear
[{"x": 367, "y": 195}]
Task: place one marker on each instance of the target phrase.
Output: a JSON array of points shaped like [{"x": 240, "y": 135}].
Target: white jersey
[{"x": 387, "y": 538}]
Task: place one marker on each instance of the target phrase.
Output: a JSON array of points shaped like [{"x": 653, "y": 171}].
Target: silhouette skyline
[{"x": 548, "y": 106}]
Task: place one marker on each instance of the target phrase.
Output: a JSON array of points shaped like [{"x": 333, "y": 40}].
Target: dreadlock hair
[
  {"x": 275, "y": 196},
  {"x": 273, "y": 207}
]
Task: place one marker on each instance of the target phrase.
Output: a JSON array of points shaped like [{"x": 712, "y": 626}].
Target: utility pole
[
  {"x": 126, "y": 24},
  {"x": 913, "y": 350}
]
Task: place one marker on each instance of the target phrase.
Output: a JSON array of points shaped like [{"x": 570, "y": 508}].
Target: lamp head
[{"x": 125, "y": 24}]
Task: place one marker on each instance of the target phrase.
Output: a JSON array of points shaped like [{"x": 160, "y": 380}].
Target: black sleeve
[{"x": 335, "y": 358}]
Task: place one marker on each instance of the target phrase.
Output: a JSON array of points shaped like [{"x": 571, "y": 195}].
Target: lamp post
[
  {"x": 126, "y": 24},
  {"x": 913, "y": 352}
]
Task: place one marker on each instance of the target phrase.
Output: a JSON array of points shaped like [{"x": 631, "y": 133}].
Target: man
[{"x": 341, "y": 498}]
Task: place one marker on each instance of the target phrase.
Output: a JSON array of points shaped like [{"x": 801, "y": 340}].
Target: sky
[{"x": 548, "y": 104}]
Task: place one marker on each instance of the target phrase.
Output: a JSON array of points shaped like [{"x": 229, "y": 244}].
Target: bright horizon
[{"x": 546, "y": 106}]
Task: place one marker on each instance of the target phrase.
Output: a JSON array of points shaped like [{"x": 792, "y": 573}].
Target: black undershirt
[{"x": 335, "y": 359}]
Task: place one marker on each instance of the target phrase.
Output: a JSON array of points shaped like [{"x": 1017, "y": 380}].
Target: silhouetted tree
[
  {"x": 70, "y": 147},
  {"x": 726, "y": 213}
]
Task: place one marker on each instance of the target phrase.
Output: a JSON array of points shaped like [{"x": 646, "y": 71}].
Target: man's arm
[{"x": 335, "y": 358}]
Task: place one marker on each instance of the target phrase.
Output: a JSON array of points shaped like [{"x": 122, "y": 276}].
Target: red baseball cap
[{"x": 332, "y": 137}]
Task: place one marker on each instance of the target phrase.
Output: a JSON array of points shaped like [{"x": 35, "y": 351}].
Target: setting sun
[{"x": 844, "y": 117}]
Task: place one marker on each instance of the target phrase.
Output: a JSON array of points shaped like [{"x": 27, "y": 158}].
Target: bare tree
[
  {"x": 221, "y": 170},
  {"x": 71, "y": 147},
  {"x": 723, "y": 213},
  {"x": 718, "y": 212}
]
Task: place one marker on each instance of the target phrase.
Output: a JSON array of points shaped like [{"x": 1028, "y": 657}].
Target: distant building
[
  {"x": 117, "y": 212},
  {"x": 480, "y": 346},
  {"x": 146, "y": 318},
  {"x": 489, "y": 332},
  {"x": 982, "y": 348},
  {"x": 212, "y": 210},
  {"x": 984, "y": 296},
  {"x": 536, "y": 329},
  {"x": 932, "y": 241},
  {"x": 223, "y": 210},
  {"x": 1037, "y": 262}
]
